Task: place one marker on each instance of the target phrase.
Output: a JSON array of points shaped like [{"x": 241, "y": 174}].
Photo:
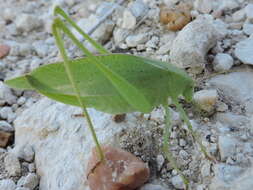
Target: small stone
[
  {"x": 243, "y": 51},
  {"x": 7, "y": 113},
  {"x": 12, "y": 165},
  {"x": 248, "y": 28},
  {"x": 30, "y": 181},
  {"x": 5, "y": 126},
  {"x": 31, "y": 168},
  {"x": 27, "y": 154},
  {"x": 134, "y": 40},
  {"x": 239, "y": 15},
  {"x": 153, "y": 42},
  {"x": 177, "y": 182},
  {"x": 153, "y": 187},
  {"x": 206, "y": 169},
  {"x": 7, "y": 184},
  {"x": 249, "y": 11},
  {"x": 129, "y": 20},
  {"x": 4, "y": 50},
  {"x": 122, "y": 170},
  {"x": 6, "y": 94},
  {"x": 222, "y": 107},
  {"x": 182, "y": 142},
  {"x": 227, "y": 147},
  {"x": 206, "y": 99},
  {"x": 160, "y": 161},
  {"x": 203, "y": 6},
  {"x": 21, "y": 101},
  {"x": 27, "y": 22},
  {"x": 5, "y": 138},
  {"x": 223, "y": 62}
]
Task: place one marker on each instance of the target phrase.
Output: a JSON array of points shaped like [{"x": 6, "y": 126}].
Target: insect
[{"x": 112, "y": 83}]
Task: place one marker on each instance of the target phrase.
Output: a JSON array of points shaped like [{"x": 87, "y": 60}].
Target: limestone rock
[
  {"x": 245, "y": 182},
  {"x": 27, "y": 22},
  {"x": 12, "y": 165},
  {"x": 7, "y": 184},
  {"x": 62, "y": 143},
  {"x": 194, "y": 41},
  {"x": 227, "y": 146},
  {"x": 6, "y": 94},
  {"x": 223, "y": 62},
  {"x": 30, "y": 181},
  {"x": 206, "y": 99},
  {"x": 243, "y": 51}
]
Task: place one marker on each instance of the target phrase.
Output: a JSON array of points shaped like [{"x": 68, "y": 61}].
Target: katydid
[{"x": 112, "y": 83}]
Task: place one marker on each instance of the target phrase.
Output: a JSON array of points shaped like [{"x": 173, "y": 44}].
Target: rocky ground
[{"x": 52, "y": 147}]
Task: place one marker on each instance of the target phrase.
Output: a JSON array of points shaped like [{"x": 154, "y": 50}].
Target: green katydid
[{"x": 112, "y": 83}]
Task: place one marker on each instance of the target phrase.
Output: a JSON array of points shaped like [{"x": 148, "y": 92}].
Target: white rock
[
  {"x": 129, "y": 20},
  {"x": 21, "y": 100},
  {"x": 2, "y": 65},
  {"x": 223, "y": 62},
  {"x": 160, "y": 161},
  {"x": 138, "y": 8},
  {"x": 8, "y": 14},
  {"x": 225, "y": 175},
  {"x": 62, "y": 143},
  {"x": 206, "y": 99},
  {"x": 7, "y": 113},
  {"x": 243, "y": 51},
  {"x": 177, "y": 182},
  {"x": 194, "y": 41},
  {"x": 153, "y": 187},
  {"x": 166, "y": 42},
  {"x": 134, "y": 40},
  {"x": 31, "y": 168},
  {"x": 236, "y": 85},
  {"x": 203, "y": 6},
  {"x": 119, "y": 35},
  {"x": 41, "y": 48},
  {"x": 27, "y": 22},
  {"x": 245, "y": 182},
  {"x": 5, "y": 126},
  {"x": 12, "y": 165},
  {"x": 249, "y": 11},
  {"x": 26, "y": 153},
  {"x": 6, "y": 94},
  {"x": 227, "y": 146},
  {"x": 101, "y": 34},
  {"x": 239, "y": 15},
  {"x": 248, "y": 28},
  {"x": 227, "y": 4},
  {"x": 7, "y": 184},
  {"x": 30, "y": 181},
  {"x": 206, "y": 169}
]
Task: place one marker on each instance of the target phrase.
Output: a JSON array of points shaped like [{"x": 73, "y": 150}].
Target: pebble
[
  {"x": 7, "y": 113},
  {"x": 5, "y": 126},
  {"x": 223, "y": 62},
  {"x": 12, "y": 165},
  {"x": 6, "y": 94},
  {"x": 27, "y": 22},
  {"x": 30, "y": 181},
  {"x": 206, "y": 99},
  {"x": 249, "y": 11},
  {"x": 27, "y": 154},
  {"x": 22, "y": 188},
  {"x": 227, "y": 146},
  {"x": 31, "y": 168},
  {"x": 134, "y": 40},
  {"x": 21, "y": 101},
  {"x": 203, "y": 6},
  {"x": 4, "y": 50},
  {"x": 129, "y": 20},
  {"x": 160, "y": 161},
  {"x": 194, "y": 41},
  {"x": 243, "y": 51},
  {"x": 177, "y": 182},
  {"x": 248, "y": 28},
  {"x": 239, "y": 15},
  {"x": 7, "y": 184}
]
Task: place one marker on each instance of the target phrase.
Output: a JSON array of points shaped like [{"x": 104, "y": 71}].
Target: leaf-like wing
[{"x": 154, "y": 79}]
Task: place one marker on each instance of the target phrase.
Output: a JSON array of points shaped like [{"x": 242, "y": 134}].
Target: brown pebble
[
  {"x": 5, "y": 138},
  {"x": 4, "y": 50},
  {"x": 121, "y": 170},
  {"x": 119, "y": 118},
  {"x": 175, "y": 18}
]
